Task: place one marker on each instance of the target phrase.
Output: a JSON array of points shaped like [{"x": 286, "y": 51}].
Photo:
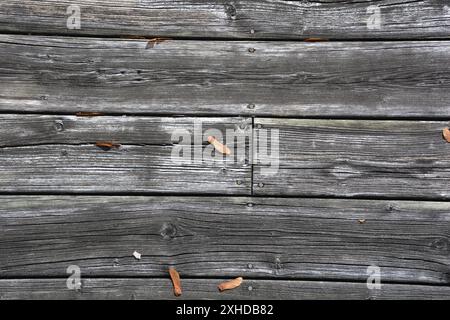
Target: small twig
[
  {"x": 232, "y": 284},
  {"x": 176, "y": 281}
]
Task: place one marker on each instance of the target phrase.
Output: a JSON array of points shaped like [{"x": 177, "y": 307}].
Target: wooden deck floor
[{"x": 364, "y": 171}]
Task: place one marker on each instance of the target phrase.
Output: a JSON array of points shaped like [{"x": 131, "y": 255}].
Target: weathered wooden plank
[
  {"x": 358, "y": 158},
  {"x": 27, "y": 130},
  {"x": 58, "y": 154},
  {"x": 225, "y": 237},
  {"x": 237, "y": 19},
  {"x": 87, "y": 168},
  {"x": 345, "y": 79},
  {"x": 123, "y": 289}
]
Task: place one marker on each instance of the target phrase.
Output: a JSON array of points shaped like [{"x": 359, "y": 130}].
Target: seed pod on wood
[
  {"x": 446, "y": 134},
  {"x": 223, "y": 149},
  {"x": 232, "y": 284},
  {"x": 107, "y": 145},
  {"x": 176, "y": 281}
]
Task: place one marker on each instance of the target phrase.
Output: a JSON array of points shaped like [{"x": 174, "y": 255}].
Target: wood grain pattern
[
  {"x": 225, "y": 237},
  {"x": 273, "y": 19},
  {"x": 59, "y": 154},
  {"x": 352, "y": 158},
  {"x": 126, "y": 288},
  {"x": 20, "y": 130},
  {"x": 332, "y": 79}
]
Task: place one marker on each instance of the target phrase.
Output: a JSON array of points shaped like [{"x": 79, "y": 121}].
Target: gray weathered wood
[
  {"x": 225, "y": 237},
  {"x": 126, "y": 288},
  {"x": 222, "y": 18},
  {"x": 345, "y": 158},
  {"x": 58, "y": 154},
  {"x": 18, "y": 130},
  {"x": 345, "y": 79}
]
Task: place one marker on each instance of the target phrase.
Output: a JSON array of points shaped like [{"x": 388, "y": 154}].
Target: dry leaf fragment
[
  {"x": 223, "y": 149},
  {"x": 107, "y": 145},
  {"x": 137, "y": 255},
  {"x": 315, "y": 40},
  {"x": 152, "y": 42},
  {"x": 88, "y": 114},
  {"x": 232, "y": 284},
  {"x": 361, "y": 221},
  {"x": 176, "y": 281},
  {"x": 446, "y": 134}
]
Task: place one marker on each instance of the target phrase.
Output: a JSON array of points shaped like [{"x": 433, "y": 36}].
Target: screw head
[
  {"x": 260, "y": 185},
  {"x": 251, "y": 106},
  {"x": 58, "y": 126},
  {"x": 250, "y": 205},
  {"x": 238, "y": 182},
  {"x": 251, "y": 50}
]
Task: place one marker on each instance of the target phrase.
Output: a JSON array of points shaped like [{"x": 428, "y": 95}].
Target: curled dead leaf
[
  {"x": 446, "y": 134},
  {"x": 223, "y": 149},
  {"x": 176, "y": 281},
  {"x": 232, "y": 284}
]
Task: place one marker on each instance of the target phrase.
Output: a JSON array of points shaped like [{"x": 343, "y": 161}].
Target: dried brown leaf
[
  {"x": 446, "y": 134},
  {"x": 107, "y": 145},
  {"x": 232, "y": 284},
  {"x": 176, "y": 281},
  {"x": 315, "y": 40},
  {"x": 223, "y": 149}
]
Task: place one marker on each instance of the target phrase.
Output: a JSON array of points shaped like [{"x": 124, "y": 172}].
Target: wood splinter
[
  {"x": 176, "y": 281},
  {"x": 232, "y": 284},
  {"x": 223, "y": 149},
  {"x": 446, "y": 134}
]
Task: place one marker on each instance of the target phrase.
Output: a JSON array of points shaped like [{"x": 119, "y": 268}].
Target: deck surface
[{"x": 363, "y": 179}]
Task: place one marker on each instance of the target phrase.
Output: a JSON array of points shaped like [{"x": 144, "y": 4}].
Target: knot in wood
[
  {"x": 58, "y": 126},
  {"x": 230, "y": 10},
  {"x": 441, "y": 244},
  {"x": 168, "y": 231}
]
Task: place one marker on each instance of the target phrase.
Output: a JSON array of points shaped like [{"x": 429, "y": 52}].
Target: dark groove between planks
[
  {"x": 227, "y": 115},
  {"x": 224, "y": 39}
]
